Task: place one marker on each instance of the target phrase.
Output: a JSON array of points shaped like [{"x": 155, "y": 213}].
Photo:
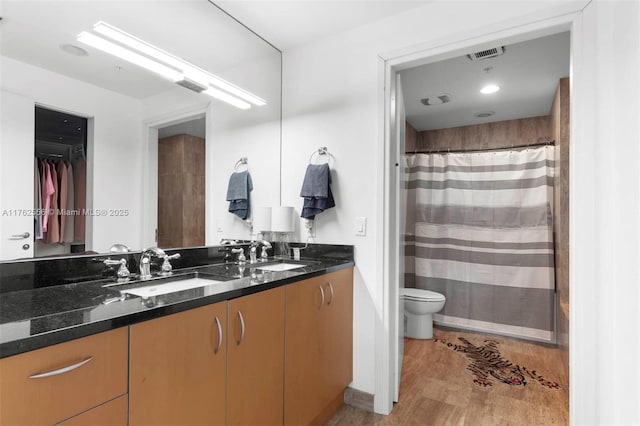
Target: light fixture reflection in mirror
[{"x": 167, "y": 65}]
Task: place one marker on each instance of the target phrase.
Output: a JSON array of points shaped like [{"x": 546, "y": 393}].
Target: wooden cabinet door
[
  {"x": 255, "y": 359},
  {"x": 304, "y": 395},
  {"x": 336, "y": 334},
  {"x": 318, "y": 346},
  {"x": 178, "y": 368},
  {"x": 52, "y": 384}
]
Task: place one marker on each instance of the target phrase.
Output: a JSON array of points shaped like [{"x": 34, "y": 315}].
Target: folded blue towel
[
  {"x": 313, "y": 206},
  {"x": 316, "y": 191},
  {"x": 316, "y": 181},
  {"x": 240, "y": 208},
  {"x": 240, "y": 186}
]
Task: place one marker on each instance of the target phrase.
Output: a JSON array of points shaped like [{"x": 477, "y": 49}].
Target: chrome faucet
[
  {"x": 241, "y": 257},
  {"x": 123, "y": 271},
  {"x": 166, "y": 265},
  {"x": 145, "y": 261},
  {"x": 253, "y": 251}
]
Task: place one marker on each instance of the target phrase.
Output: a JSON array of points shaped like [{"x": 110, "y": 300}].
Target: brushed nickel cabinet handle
[
  {"x": 322, "y": 295},
  {"x": 215, "y": 351},
  {"x": 241, "y": 328},
  {"x": 61, "y": 370},
  {"x": 331, "y": 290}
]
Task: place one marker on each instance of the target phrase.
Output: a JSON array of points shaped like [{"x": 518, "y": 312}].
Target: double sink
[{"x": 194, "y": 278}]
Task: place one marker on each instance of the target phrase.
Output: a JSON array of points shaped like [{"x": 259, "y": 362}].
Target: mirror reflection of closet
[
  {"x": 60, "y": 183},
  {"x": 181, "y": 185}
]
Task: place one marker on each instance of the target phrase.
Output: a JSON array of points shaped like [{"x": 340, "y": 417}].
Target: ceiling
[
  {"x": 527, "y": 74},
  {"x": 195, "y": 127},
  {"x": 287, "y": 24},
  {"x": 197, "y": 31}
]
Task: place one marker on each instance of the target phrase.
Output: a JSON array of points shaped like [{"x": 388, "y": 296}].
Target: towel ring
[
  {"x": 321, "y": 151},
  {"x": 242, "y": 161}
]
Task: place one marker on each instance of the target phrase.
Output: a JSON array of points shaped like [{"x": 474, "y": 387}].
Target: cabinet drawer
[
  {"x": 112, "y": 413},
  {"x": 52, "y": 384}
]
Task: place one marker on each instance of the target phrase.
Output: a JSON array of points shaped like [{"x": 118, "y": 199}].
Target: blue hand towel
[
  {"x": 316, "y": 181},
  {"x": 240, "y": 186},
  {"x": 316, "y": 191},
  {"x": 240, "y": 208}
]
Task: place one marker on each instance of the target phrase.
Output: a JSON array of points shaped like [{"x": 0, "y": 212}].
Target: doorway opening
[
  {"x": 393, "y": 251},
  {"x": 60, "y": 184}
]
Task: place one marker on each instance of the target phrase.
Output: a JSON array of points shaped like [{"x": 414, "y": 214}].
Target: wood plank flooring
[{"x": 436, "y": 387}]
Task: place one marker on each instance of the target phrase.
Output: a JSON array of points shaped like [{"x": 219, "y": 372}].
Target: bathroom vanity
[{"x": 266, "y": 343}]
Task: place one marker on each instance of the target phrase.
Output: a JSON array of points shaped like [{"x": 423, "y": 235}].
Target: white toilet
[{"x": 419, "y": 307}]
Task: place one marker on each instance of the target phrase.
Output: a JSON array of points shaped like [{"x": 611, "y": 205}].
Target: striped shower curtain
[{"x": 479, "y": 230}]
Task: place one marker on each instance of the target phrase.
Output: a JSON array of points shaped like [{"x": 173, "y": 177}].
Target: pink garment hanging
[
  {"x": 53, "y": 229},
  {"x": 80, "y": 190},
  {"x": 47, "y": 192},
  {"x": 37, "y": 200},
  {"x": 71, "y": 205},
  {"x": 62, "y": 198}
]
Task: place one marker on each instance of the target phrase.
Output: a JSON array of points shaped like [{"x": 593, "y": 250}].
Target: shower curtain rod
[{"x": 506, "y": 148}]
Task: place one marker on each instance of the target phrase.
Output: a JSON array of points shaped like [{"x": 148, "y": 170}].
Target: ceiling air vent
[
  {"x": 486, "y": 54},
  {"x": 436, "y": 99},
  {"x": 191, "y": 85}
]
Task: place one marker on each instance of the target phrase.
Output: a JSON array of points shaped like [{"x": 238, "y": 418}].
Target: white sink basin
[
  {"x": 278, "y": 267},
  {"x": 169, "y": 287}
]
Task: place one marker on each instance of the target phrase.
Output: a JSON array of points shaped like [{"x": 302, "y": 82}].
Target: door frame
[
  {"x": 568, "y": 17},
  {"x": 149, "y": 219}
]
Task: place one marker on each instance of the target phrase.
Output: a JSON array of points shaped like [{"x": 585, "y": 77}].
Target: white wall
[
  {"x": 116, "y": 150},
  {"x": 331, "y": 96},
  {"x": 605, "y": 212},
  {"x": 232, "y": 133}
]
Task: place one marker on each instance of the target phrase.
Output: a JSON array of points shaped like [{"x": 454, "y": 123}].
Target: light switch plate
[
  {"x": 219, "y": 224},
  {"x": 361, "y": 226}
]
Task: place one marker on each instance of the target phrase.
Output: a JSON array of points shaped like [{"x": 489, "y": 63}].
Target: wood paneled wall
[
  {"x": 560, "y": 130},
  {"x": 501, "y": 134},
  {"x": 411, "y": 136},
  {"x": 181, "y": 191}
]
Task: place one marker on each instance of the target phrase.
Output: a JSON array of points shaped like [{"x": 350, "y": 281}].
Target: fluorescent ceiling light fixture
[
  {"x": 489, "y": 88},
  {"x": 190, "y": 71},
  {"x": 224, "y": 96},
  {"x": 128, "y": 55}
]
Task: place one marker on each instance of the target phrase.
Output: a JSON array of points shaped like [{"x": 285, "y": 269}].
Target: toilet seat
[{"x": 421, "y": 295}]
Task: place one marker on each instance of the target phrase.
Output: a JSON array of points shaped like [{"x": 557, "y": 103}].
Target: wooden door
[
  {"x": 304, "y": 395},
  {"x": 178, "y": 368},
  {"x": 181, "y": 191},
  {"x": 255, "y": 359}
]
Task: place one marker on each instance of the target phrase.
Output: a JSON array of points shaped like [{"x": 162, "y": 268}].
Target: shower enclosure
[{"x": 479, "y": 230}]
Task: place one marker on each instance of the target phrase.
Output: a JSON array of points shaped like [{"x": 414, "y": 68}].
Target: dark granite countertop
[{"x": 40, "y": 317}]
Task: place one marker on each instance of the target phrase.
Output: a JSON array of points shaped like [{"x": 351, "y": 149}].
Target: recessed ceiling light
[
  {"x": 74, "y": 50},
  {"x": 489, "y": 88}
]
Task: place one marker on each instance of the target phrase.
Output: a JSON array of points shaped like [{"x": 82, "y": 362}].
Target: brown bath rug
[{"x": 487, "y": 364}]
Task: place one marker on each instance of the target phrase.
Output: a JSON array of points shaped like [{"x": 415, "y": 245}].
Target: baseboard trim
[{"x": 358, "y": 399}]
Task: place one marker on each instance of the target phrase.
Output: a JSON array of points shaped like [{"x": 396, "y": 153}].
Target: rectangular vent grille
[
  {"x": 191, "y": 85},
  {"x": 486, "y": 54}
]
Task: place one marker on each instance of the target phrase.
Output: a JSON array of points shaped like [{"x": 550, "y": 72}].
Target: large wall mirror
[{"x": 139, "y": 111}]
